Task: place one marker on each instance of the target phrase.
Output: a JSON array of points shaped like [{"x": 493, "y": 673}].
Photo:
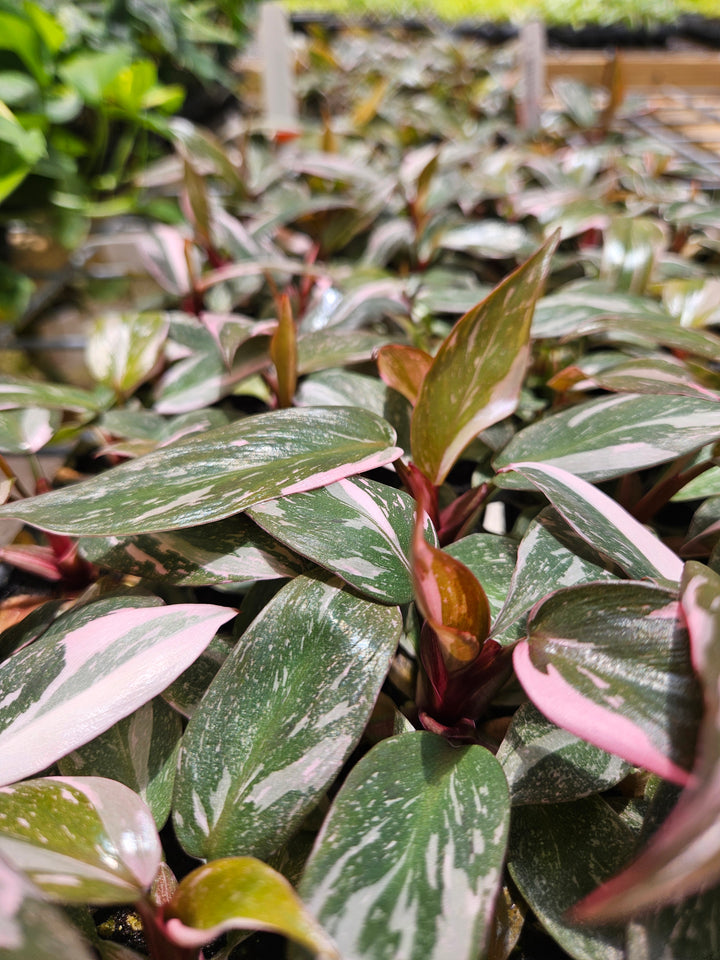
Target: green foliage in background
[{"x": 576, "y": 12}]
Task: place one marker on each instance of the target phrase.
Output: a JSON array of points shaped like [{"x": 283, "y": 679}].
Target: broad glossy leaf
[
  {"x": 475, "y": 378},
  {"x": 683, "y": 857},
  {"x": 408, "y": 865},
  {"x": 281, "y": 717},
  {"x": 28, "y": 430},
  {"x": 230, "y": 550},
  {"x": 123, "y": 348},
  {"x": 357, "y": 528},
  {"x": 557, "y": 853},
  {"x": 80, "y": 839},
  {"x": 85, "y": 673},
  {"x": 31, "y": 928},
  {"x": 609, "y": 663},
  {"x": 603, "y": 523},
  {"x": 241, "y": 893},
  {"x": 545, "y": 562},
  {"x": 19, "y": 392},
  {"x": 218, "y": 473},
  {"x": 614, "y": 435},
  {"x": 139, "y": 751},
  {"x": 545, "y": 764}
]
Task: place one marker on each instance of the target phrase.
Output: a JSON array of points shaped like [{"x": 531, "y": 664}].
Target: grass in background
[{"x": 632, "y": 12}]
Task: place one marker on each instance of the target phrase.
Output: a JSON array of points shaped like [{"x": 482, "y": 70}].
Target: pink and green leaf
[
  {"x": 140, "y": 751},
  {"x": 281, "y": 717},
  {"x": 86, "y": 673},
  {"x": 218, "y": 473},
  {"x": 608, "y": 663},
  {"x": 231, "y": 550},
  {"x": 614, "y": 435},
  {"x": 30, "y": 927},
  {"x": 547, "y": 560},
  {"x": 358, "y": 528},
  {"x": 683, "y": 857},
  {"x": 123, "y": 349},
  {"x": 476, "y": 376},
  {"x": 27, "y": 430},
  {"x": 603, "y": 523}
]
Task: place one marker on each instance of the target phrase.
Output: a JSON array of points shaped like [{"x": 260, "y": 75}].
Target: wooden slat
[{"x": 639, "y": 69}]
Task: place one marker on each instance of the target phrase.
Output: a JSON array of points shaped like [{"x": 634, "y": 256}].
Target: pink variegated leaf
[
  {"x": 607, "y": 661},
  {"x": 217, "y": 473},
  {"x": 475, "y": 378},
  {"x": 683, "y": 857},
  {"x": 614, "y": 435},
  {"x": 602, "y": 522},
  {"x": 83, "y": 676},
  {"x": 80, "y": 839}
]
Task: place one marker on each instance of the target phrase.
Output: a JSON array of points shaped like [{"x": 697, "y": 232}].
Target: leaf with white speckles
[
  {"x": 281, "y": 717},
  {"x": 80, "y": 840},
  {"x": 683, "y": 856},
  {"x": 218, "y": 473},
  {"x": 545, "y": 764},
  {"x": 603, "y": 523},
  {"x": 545, "y": 562},
  {"x": 234, "y": 549},
  {"x": 475, "y": 378},
  {"x": 31, "y": 928},
  {"x": 139, "y": 751},
  {"x": 609, "y": 662},
  {"x": 612, "y": 436},
  {"x": 85, "y": 673},
  {"x": 409, "y": 861},
  {"x": 557, "y": 853},
  {"x": 356, "y": 528}
]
